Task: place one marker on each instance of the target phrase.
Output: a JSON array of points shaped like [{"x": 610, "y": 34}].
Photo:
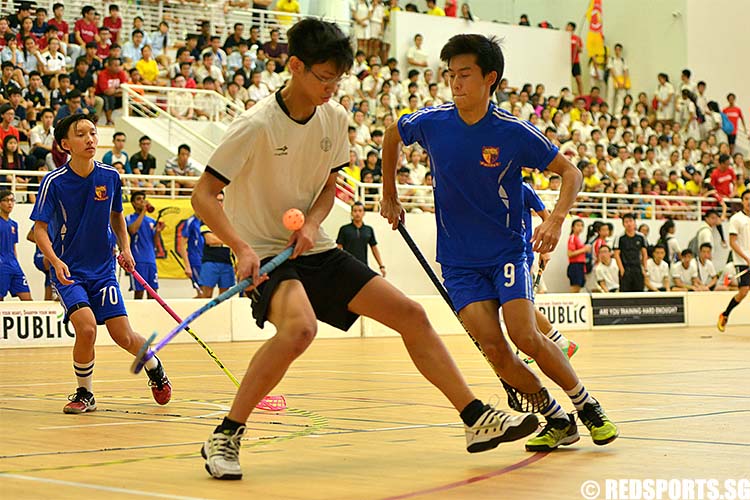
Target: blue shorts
[
  {"x": 147, "y": 270},
  {"x": 102, "y": 295},
  {"x": 218, "y": 274},
  {"x": 13, "y": 281},
  {"x": 501, "y": 282},
  {"x": 39, "y": 264},
  {"x": 577, "y": 274}
]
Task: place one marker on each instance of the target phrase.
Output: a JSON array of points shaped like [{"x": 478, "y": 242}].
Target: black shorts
[
  {"x": 576, "y": 69},
  {"x": 331, "y": 280},
  {"x": 577, "y": 273},
  {"x": 743, "y": 280},
  {"x": 731, "y": 139},
  {"x": 632, "y": 280}
]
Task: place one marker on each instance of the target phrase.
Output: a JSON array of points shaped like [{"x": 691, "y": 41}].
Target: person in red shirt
[
  {"x": 723, "y": 178},
  {"x": 108, "y": 86},
  {"x": 451, "y": 6},
  {"x": 7, "y": 114},
  {"x": 105, "y": 43},
  {"x": 577, "y": 257},
  {"x": 63, "y": 30},
  {"x": 114, "y": 22},
  {"x": 576, "y": 47},
  {"x": 85, "y": 28},
  {"x": 734, "y": 113}
]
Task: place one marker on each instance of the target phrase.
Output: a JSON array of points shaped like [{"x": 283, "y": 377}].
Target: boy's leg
[
  {"x": 290, "y": 311},
  {"x": 485, "y": 427},
  {"x": 84, "y": 324}
]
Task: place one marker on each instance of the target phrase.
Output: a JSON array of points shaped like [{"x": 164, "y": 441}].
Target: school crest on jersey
[
  {"x": 490, "y": 154},
  {"x": 100, "y": 193}
]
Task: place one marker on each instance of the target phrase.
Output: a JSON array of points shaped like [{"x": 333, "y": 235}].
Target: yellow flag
[{"x": 595, "y": 38}]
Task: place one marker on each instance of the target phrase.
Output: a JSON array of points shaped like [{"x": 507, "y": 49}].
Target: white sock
[
  {"x": 85, "y": 374},
  {"x": 151, "y": 363},
  {"x": 580, "y": 396},
  {"x": 554, "y": 410},
  {"x": 558, "y": 338}
]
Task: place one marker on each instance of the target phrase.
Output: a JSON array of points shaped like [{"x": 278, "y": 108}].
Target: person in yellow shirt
[
  {"x": 291, "y": 6},
  {"x": 590, "y": 181},
  {"x": 433, "y": 9},
  {"x": 413, "y": 106},
  {"x": 693, "y": 186},
  {"x": 674, "y": 182}
]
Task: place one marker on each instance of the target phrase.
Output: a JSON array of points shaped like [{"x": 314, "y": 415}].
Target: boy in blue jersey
[
  {"x": 144, "y": 236},
  {"x": 216, "y": 262},
  {"x": 12, "y": 278},
  {"x": 532, "y": 202},
  {"x": 78, "y": 219},
  {"x": 191, "y": 249},
  {"x": 477, "y": 152}
]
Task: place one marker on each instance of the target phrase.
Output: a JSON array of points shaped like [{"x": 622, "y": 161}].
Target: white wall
[
  {"x": 717, "y": 48},
  {"x": 654, "y": 40},
  {"x": 538, "y": 56}
]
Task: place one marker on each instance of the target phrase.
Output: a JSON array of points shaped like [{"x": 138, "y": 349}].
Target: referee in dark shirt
[
  {"x": 355, "y": 237},
  {"x": 630, "y": 254}
]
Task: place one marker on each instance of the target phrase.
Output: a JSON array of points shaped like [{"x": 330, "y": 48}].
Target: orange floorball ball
[{"x": 294, "y": 219}]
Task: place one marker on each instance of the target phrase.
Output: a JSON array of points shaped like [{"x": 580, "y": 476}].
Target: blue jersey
[
  {"x": 531, "y": 201},
  {"x": 142, "y": 242},
  {"x": 191, "y": 231},
  {"x": 477, "y": 180},
  {"x": 78, "y": 211},
  {"x": 8, "y": 240}
]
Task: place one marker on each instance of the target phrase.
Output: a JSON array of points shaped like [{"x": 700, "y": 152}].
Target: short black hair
[
  {"x": 687, "y": 73},
  {"x": 86, "y": 9},
  {"x": 723, "y": 158},
  {"x": 706, "y": 244},
  {"x": 118, "y": 134},
  {"x": 660, "y": 245},
  {"x": 5, "y": 192},
  {"x": 686, "y": 252},
  {"x": 315, "y": 42},
  {"x": 489, "y": 55},
  {"x": 57, "y": 6},
  {"x": 358, "y": 204},
  {"x": 144, "y": 138},
  {"x": 63, "y": 127},
  {"x": 628, "y": 216},
  {"x": 183, "y": 146},
  {"x": 710, "y": 213},
  {"x": 47, "y": 110},
  {"x": 136, "y": 194}
]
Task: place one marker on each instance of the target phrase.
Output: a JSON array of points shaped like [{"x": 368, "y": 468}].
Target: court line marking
[
  {"x": 107, "y": 381},
  {"x": 110, "y": 489},
  {"x": 510, "y": 468}
]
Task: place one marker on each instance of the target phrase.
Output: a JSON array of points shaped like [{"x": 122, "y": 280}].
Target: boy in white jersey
[
  {"x": 285, "y": 152},
  {"x": 739, "y": 241}
]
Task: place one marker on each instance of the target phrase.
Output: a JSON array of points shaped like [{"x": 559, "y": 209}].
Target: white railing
[
  {"x": 596, "y": 205},
  {"x": 178, "y": 131},
  {"x": 224, "y": 110},
  {"x": 25, "y": 184}
]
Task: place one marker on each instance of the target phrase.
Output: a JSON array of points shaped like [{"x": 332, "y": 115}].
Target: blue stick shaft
[{"x": 238, "y": 288}]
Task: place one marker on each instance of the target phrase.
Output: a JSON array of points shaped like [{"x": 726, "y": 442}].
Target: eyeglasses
[
  {"x": 325, "y": 81},
  {"x": 9, "y": 200}
]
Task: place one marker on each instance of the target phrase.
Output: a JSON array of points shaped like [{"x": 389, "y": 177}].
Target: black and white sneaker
[
  {"x": 81, "y": 402},
  {"x": 222, "y": 454},
  {"x": 495, "y": 427}
]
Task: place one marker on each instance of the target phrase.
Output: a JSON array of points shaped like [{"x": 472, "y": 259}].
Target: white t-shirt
[
  {"x": 739, "y": 224},
  {"x": 610, "y": 275},
  {"x": 417, "y": 55},
  {"x": 273, "y": 164},
  {"x": 657, "y": 272},
  {"x": 706, "y": 271},
  {"x": 686, "y": 275},
  {"x": 665, "y": 111}
]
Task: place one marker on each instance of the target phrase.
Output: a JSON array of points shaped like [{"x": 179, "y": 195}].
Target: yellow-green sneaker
[
  {"x": 602, "y": 430},
  {"x": 557, "y": 432}
]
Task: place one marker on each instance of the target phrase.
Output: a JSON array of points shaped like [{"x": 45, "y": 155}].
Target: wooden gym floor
[{"x": 363, "y": 424}]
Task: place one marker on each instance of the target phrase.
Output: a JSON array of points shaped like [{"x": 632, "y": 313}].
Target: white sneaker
[
  {"x": 495, "y": 427},
  {"x": 221, "y": 452}
]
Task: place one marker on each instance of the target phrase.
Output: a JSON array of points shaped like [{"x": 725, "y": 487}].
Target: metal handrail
[
  {"x": 235, "y": 108},
  {"x": 603, "y": 205}
]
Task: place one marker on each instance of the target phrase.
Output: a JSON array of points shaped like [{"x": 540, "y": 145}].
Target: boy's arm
[
  {"x": 117, "y": 221},
  {"x": 547, "y": 234},
  {"x": 45, "y": 245},
  {"x": 304, "y": 238}
]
